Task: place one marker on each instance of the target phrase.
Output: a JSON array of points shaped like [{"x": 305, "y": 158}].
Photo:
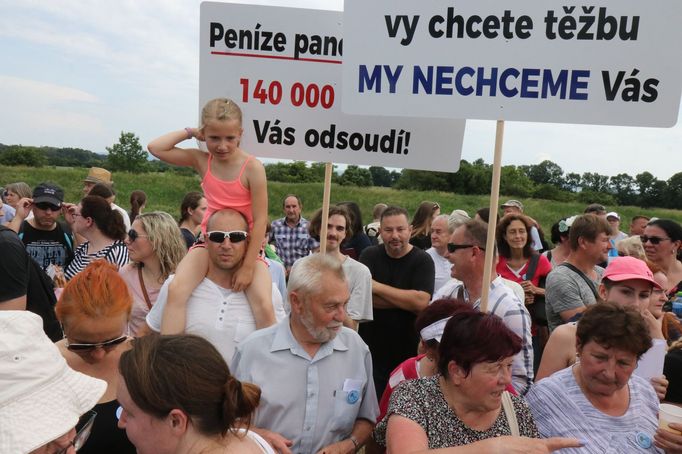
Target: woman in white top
[
  {"x": 177, "y": 396},
  {"x": 155, "y": 247}
]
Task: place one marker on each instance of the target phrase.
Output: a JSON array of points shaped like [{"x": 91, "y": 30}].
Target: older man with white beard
[{"x": 315, "y": 375}]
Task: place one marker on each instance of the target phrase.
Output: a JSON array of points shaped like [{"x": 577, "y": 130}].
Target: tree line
[{"x": 545, "y": 180}]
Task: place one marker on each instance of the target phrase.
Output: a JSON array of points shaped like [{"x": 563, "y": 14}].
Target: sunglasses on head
[
  {"x": 87, "y": 420},
  {"x": 235, "y": 236},
  {"x": 452, "y": 247},
  {"x": 47, "y": 206},
  {"x": 653, "y": 239},
  {"x": 133, "y": 235},
  {"x": 89, "y": 347}
]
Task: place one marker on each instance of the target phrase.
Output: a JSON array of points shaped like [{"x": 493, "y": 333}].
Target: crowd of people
[{"x": 225, "y": 331}]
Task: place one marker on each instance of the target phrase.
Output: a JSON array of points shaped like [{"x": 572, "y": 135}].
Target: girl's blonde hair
[{"x": 220, "y": 109}]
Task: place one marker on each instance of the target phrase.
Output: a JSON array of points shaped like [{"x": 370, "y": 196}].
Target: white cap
[
  {"x": 41, "y": 397},
  {"x": 434, "y": 330},
  {"x": 612, "y": 214}
]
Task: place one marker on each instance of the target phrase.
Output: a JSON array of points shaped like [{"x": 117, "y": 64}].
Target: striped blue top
[{"x": 561, "y": 409}]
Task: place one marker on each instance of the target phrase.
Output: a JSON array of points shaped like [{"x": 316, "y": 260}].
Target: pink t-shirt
[
  {"x": 222, "y": 194},
  {"x": 140, "y": 309}
]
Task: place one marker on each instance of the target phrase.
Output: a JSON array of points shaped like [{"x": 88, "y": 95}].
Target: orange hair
[{"x": 96, "y": 292}]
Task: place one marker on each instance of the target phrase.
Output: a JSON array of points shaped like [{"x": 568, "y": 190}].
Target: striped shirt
[
  {"x": 116, "y": 253},
  {"x": 505, "y": 304},
  {"x": 561, "y": 409}
]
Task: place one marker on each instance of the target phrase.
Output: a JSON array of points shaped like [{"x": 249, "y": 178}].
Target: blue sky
[{"x": 76, "y": 73}]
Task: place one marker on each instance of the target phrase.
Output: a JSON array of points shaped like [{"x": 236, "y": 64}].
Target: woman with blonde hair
[
  {"x": 155, "y": 247},
  {"x": 631, "y": 246},
  {"x": 421, "y": 224},
  {"x": 94, "y": 310},
  {"x": 15, "y": 192}
]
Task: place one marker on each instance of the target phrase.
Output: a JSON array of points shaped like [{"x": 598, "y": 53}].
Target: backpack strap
[
  {"x": 587, "y": 280},
  {"x": 508, "y": 407},
  {"x": 532, "y": 266}
]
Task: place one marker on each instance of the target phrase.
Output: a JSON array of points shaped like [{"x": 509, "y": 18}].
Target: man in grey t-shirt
[{"x": 571, "y": 286}]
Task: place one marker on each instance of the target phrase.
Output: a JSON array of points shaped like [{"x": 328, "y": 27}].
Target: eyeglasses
[
  {"x": 81, "y": 348},
  {"x": 452, "y": 247},
  {"x": 83, "y": 433},
  {"x": 653, "y": 239},
  {"x": 133, "y": 235},
  {"x": 47, "y": 206},
  {"x": 235, "y": 236}
]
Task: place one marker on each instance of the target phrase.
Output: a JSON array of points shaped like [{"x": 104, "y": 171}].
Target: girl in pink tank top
[{"x": 233, "y": 179}]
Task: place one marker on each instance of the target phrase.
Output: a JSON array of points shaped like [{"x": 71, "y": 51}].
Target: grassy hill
[{"x": 165, "y": 191}]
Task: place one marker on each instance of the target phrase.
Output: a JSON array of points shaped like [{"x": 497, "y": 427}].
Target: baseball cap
[
  {"x": 41, "y": 397},
  {"x": 98, "y": 175},
  {"x": 612, "y": 214},
  {"x": 627, "y": 268},
  {"x": 513, "y": 203},
  {"x": 48, "y": 192}
]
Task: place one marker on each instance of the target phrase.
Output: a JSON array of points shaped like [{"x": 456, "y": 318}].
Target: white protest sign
[
  {"x": 611, "y": 62},
  {"x": 283, "y": 67}
]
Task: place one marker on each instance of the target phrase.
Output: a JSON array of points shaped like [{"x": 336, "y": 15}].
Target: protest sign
[
  {"x": 283, "y": 67},
  {"x": 613, "y": 62}
]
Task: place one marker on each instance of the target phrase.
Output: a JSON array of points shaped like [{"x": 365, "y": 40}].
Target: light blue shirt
[{"x": 312, "y": 401}]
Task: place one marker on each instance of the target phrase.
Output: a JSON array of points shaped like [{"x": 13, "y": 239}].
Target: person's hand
[
  {"x": 342, "y": 447},
  {"x": 242, "y": 278},
  {"x": 655, "y": 325},
  {"x": 68, "y": 210},
  {"x": 660, "y": 385},
  {"x": 198, "y": 134},
  {"x": 525, "y": 445},
  {"x": 23, "y": 208},
  {"x": 670, "y": 442},
  {"x": 278, "y": 442}
]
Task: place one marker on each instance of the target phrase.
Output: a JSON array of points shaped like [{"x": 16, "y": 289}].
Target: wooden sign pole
[{"x": 328, "y": 167}]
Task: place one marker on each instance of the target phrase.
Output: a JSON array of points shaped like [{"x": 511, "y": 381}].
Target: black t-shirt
[
  {"x": 188, "y": 236},
  {"x": 20, "y": 275},
  {"x": 47, "y": 246},
  {"x": 672, "y": 370},
  {"x": 391, "y": 336},
  {"x": 106, "y": 437}
]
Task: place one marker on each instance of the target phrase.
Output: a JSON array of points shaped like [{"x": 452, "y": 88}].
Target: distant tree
[
  {"x": 395, "y": 176},
  {"x": 592, "y": 181},
  {"x": 572, "y": 182},
  {"x": 356, "y": 176},
  {"x": 651, "y": 190},
  {"x": 622, "y": 186},
  {"x": 673, "y": 193},
  {"x": 587, "y": 197},
  {"x": 514, "y": 181},
  {"x": 380, "y": 176},
  {"x": 422, "y": 180},
  {"x": 547, "y": 172},
  {"x": 127, "y": 155},
  {"x": 17, "y": 155},
  {"x": 551, "y": 192}
]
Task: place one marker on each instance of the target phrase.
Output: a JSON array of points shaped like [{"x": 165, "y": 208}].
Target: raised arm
[{"x": 165, "y": 148}]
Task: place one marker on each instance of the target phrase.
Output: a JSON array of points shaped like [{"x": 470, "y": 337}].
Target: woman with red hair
[{"x": 94, "y": 310}]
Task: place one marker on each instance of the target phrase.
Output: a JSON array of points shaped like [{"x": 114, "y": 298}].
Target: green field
[{"x": 165, "y": 191}]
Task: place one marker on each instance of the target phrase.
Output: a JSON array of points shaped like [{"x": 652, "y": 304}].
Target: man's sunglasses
[
  {"x": 83, "y": 433},
  {"x": 235, "y": 236},
  {"x": 452, "y": 247},
  {"x": 89, "y": 347},
  {"x": 653, "y": 239},
  {"x": 133, "y": 235},
  {"x": 47, "y": 206}
]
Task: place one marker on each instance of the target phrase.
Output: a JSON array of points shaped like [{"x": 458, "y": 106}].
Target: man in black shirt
[
  {"x": 402, "y": 284},
  {"x": 24, "y": 286},
  {"x": 47, "y": 241}
]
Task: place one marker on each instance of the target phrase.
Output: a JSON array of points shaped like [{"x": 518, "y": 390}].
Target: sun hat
[
  {"x": 48, "y": 192},
  {"x": 41, "y": 397},
  {"x": 627, "y": 268},
  {"x": 513, "y": 203},
  {"x": 434, "y": 330},
  {"x": 98, "y": 175}
]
